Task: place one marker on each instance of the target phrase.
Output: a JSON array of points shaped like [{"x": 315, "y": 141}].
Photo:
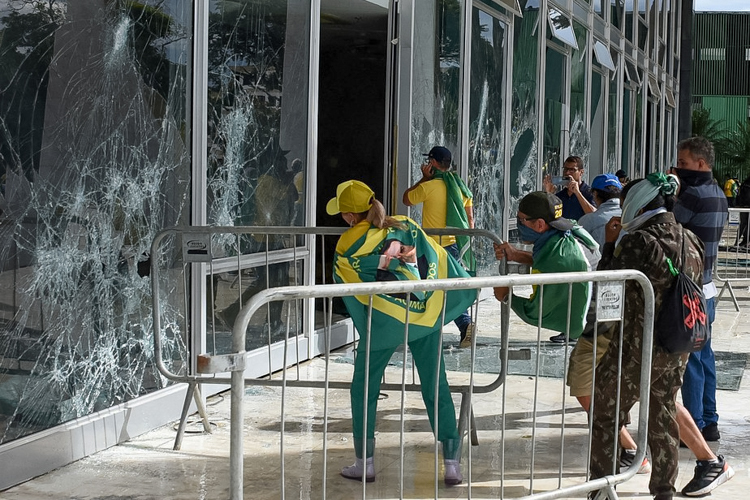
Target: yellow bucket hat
[{"x": 351, "y": 196}]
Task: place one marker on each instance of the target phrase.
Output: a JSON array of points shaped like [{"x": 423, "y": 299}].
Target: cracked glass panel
[
  {"x": 487, "y": 133},
  {"x": 436, "y": 82},
  {"x": 613, "y": 150},
  {"x": 554, "y": 116},
  {"x": 94, "y": 162},
  {"x": 580, "y": 142},
  {"x": 523, "y": 139},
  {"x": 597, "y": 120},
  {"x": 258, "y": 54}
]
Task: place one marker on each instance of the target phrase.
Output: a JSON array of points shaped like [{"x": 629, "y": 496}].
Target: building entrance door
[{"x": 352, "y": 98}]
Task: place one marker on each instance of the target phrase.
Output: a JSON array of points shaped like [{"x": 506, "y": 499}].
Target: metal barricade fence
[
  {"x": 234, "y": 362},
  {"x": 733, "y": 262},
  {"x": 268, "y": 256}
]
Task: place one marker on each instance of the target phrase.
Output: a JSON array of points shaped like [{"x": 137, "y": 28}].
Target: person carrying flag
[
  {"x": 382, "y": 248},
  {"x": 448, "y": 202}
]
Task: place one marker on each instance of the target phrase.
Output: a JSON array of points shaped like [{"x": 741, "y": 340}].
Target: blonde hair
[{"x": 377, "y": 217}]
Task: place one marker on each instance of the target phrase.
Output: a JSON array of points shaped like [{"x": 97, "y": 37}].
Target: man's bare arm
[{"x": 426, "y": 176}]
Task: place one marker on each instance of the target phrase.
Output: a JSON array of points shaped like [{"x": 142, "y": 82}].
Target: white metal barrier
[
  {"x": 733, "y": 261},
  {"x": 234, "y": 362},
  {"x": 270, "y": 246}
]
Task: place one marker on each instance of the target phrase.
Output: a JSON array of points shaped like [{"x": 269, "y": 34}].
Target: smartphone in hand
[{"x": 558, "y": 180}]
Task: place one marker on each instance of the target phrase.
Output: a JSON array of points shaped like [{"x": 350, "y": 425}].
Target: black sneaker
[
  {"x": 707, "y": 477},
  {"x": 626, "y": 461},
  {"x": 711, "y": 432},
  {"x": 560, "y": 338}
]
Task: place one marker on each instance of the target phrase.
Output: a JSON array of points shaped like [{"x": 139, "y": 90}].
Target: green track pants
[{"x": 425, "y": 357}]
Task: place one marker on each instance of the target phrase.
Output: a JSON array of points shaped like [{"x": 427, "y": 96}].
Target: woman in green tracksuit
[{"x": 382, "y": 248}]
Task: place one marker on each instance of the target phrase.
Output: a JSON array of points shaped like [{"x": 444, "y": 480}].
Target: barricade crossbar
[{"x": 234, "y": 362}]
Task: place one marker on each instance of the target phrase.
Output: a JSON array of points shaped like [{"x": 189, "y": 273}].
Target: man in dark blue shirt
[
  {"x": 702, "y": 208},
  {"x": 576, "y": 197}
]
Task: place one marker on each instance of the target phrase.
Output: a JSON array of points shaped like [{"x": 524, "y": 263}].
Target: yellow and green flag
[{"x": 356, "y": 261}]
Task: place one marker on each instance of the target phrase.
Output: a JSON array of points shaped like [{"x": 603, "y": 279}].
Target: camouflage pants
[{"x": 663, "y": 432}]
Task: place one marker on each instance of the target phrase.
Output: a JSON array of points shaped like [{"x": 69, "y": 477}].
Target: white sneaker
[
  {"x": 355, "y": 470},
  {"x": 452, "y": 475}
]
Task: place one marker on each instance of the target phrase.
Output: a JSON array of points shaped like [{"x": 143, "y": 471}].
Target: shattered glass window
[
  {"x": 436, "y": 82},
  {"x": 487, "y": 132},
  {"x": 613, "y": 149},
  {"x": 580, "y": 142},
  {"x": 554, "y": 113},
  {"x": 94, "y": 161},
  {"x": 597, "y": 121},
  {"x": 523, "y": 139},
  {"x": 258, "y": 53}
]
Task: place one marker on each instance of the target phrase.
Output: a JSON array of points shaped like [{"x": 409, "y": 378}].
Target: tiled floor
[{"x": 147, "y": 468}]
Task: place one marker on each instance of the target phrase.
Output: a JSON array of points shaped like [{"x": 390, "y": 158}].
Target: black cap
[
  {"x": 545, "y": 206},
  {"x": 440, "y": 154}
]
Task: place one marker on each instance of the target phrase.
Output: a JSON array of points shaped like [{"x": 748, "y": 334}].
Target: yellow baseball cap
[{"x": 351, "y": 196}]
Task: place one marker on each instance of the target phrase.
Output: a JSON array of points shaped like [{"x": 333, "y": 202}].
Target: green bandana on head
[{"x": 455, "y": 215}]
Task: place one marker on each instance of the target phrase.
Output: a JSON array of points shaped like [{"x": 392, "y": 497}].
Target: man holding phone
[
  {"x": 576, "y": 195},
  {"x": 448, "y": 202}
]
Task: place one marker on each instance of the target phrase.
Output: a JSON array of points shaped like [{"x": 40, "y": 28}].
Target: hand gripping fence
[{"x": 235, "y": 361}]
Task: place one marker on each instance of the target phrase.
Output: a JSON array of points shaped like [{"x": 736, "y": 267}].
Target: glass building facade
[{"x": 120, "y": 118}]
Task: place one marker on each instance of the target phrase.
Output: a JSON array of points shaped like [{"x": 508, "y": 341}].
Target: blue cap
[
  {"x": 440, "y": 154},
  {"x": 604, "y": 180}
]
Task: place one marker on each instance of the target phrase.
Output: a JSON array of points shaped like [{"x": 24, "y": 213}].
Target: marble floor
[{"x": 520, "y": 436}]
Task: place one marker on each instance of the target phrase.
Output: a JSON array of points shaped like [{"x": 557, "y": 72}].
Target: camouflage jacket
[{"x": 646, "y": 249}]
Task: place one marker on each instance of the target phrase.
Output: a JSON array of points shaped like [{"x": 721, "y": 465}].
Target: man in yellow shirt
[{"x": 447, "y": 203}]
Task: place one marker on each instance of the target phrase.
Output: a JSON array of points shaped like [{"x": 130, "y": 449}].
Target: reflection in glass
[
  {"x": 95, "y": 148},
  {"x": 654, "y": 164},
  {"x": 616, "y": 12},
  {"x": 597, "y": 125},
  {"x": 668, "y": 153},
  {"x": 437, "y": 81},
  {"x": 627, "y": 124},
  {"x": 523, "y": 163},
  {"x": 613, "y": 150},
  {"x": 629, "y": 20},
  {"x": 486, "y": 133},
  {"x": 603, "y": 56},
  {"x": 554, "y": 103},
  {"x": 231, "y": 290},
  {"x": 257, "y": 127},
  {"x": 580, "y": 142},
  {"x": 561, "y": 28},
  {"x": 632, "y": 75},
  {"x": 642, "y": 34},
  {"x": 638, "y": 149},
  {"x": 653, "y": 87}
]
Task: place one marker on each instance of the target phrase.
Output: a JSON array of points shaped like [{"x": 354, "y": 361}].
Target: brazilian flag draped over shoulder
[
  {"x": 356, "y": 261},
  {"x": 455, "y": 215}
]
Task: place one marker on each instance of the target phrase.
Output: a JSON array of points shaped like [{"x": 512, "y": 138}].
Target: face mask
[{"x": 527, "y": 234}]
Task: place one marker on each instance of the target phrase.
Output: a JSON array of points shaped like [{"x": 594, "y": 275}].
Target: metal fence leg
[
  {"x": 466, "y": 413},
  {"x": 193, "y": 392},
  {"x": 728, "y": 286},
  {"x": 606, "y": 493}
]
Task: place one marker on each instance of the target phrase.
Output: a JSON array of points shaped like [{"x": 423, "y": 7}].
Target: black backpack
[{"x": 682, "y": 324}]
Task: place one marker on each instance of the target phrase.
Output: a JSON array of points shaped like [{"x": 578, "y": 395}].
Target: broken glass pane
[
  {"x": 95, "y": 162},
  {"x": 257, "y": 134}
]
